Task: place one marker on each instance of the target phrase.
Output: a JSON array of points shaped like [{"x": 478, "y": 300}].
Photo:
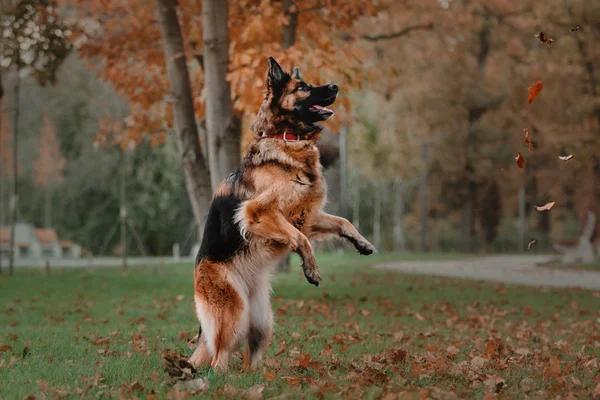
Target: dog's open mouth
[{"x": 320, "y": 109}]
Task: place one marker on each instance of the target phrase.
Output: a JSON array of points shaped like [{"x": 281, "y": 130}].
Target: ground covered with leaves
[{"x": 363, "y": 334}]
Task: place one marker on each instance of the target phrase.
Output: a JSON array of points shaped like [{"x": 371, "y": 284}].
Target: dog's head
[{"x": 293, "y": 105}]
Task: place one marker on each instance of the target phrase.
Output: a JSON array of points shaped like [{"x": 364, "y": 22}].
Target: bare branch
[{"x": 393, "y": 35}]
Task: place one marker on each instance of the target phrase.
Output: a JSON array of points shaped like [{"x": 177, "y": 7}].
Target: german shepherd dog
[{"x": 271, "y": 205}]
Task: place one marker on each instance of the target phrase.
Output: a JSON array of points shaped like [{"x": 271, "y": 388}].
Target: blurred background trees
[{"x": 433, "y": 107}]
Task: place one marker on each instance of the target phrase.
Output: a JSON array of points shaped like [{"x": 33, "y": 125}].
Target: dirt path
[{"x": 509, "y": 269}]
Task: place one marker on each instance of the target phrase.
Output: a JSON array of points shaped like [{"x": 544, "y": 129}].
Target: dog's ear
[
  {"x": 296, "y": 74},
  {"x": 276, "y": 74}
]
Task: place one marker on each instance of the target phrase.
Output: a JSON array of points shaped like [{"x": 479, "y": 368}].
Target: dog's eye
[{"x": 303, "y": 87}]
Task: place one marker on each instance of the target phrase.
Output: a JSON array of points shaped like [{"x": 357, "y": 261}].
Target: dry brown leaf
[
  {"x": 546, "y": 206},
  {"x": 177, "y": 366},
  {"x": 255, "y": 392},
  {"x": 528, "y": 140},
  {"x": 292, "y": 381},
  {"x": 576, "y": 28},
  {"x": 566, "y": 158},
  {"x": 269, "y": 376},
  {"x": 531, "y": 244},
  {"x": 553, "y": 368},
  {"x": 520, "y": 160},
  {"x": 596, "y": 392},
  {"x": 303, "y": 362},
  {"x": 183, "y": 335},
  {"x": 193, "y": 385},
  {"x": 534, "y": 91},
  {"x": 544, "y": 39}
]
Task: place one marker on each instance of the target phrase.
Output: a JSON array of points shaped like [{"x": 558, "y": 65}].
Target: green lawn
[{"x": 369, "y": 333}]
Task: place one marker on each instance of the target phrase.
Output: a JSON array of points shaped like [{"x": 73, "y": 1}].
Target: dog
[{"x": 270, "y": 206}]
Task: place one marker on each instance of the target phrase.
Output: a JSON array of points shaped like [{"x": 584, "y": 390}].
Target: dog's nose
[{"x": 333, "y": 87}]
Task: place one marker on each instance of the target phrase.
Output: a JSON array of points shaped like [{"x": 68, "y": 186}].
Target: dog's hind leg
[
  {"x": 261, "y": 323},
  {"x": 222, "y": 309},
  {"x": 201, "y": 356}
]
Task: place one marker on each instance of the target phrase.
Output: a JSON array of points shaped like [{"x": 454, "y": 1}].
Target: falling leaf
[
  {"x": 577, "y": 28},
  {"x": 527, "y": 140},
  {"x": 544, "y": 39},
  {"x": 303, "y": 362},
  {"x": 553, "y": 368},
  {"x": 534, "y": 91},
  {"x": 546, "y": 206},
  {"x": 520, "y": 160},
  {"x": 566, "y": 158},
  {"x": 533, "y": 241}
]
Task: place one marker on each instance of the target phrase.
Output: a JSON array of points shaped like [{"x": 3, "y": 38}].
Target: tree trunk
[
  {"x": 423, "y": 198},
  {"x": 399, "y": 241},
  {"x": 343, "y": 172},
  {"x": 522, "y": 219},
  {"x": 197, "y": 176},
  {"x": 377, "y": 215},
  {"x": 123, "y": 209},
  {"x": 223, "y": 126},
  {"x": 14, "y": 200},
  {"x": 48, "y": 207},
  {"x": 356, "y": 205}
]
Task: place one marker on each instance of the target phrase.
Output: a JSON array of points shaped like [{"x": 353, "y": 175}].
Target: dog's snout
[{"x": 333, "y": 87}]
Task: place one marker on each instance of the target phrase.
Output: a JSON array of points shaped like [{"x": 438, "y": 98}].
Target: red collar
[{"x": 288, "y": 137}]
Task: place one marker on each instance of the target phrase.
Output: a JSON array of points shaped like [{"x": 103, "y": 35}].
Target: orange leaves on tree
[
  {"x": 545, "y": 207},
  {"x": 534, "y": 91},
  {"x": 520, "y": 160}
]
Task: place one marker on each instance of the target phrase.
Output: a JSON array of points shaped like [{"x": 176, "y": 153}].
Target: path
[{"x": 509, "y": 269}]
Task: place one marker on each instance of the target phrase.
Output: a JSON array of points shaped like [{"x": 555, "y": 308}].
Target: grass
[{"x": 368, "y": 332}]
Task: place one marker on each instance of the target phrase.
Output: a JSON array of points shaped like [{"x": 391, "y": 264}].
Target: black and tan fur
[{"x": 271, "y": 205}]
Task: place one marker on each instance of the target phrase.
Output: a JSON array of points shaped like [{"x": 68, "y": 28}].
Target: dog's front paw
[
  {"x": 364, "y": 247},
  {"x": 312, "y": 275}
]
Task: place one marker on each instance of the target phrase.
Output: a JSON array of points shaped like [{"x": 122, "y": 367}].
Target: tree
[
  {"x": 49, "y": 166},
  {"x": 223, "y": 126},
  {"x": 195, "y": 168},
  {"x": 34, "y": 37},
  {"x": 147, "y": 78}
]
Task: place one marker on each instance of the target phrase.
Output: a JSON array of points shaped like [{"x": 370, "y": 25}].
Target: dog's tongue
[{"x": 320, "y": 108}]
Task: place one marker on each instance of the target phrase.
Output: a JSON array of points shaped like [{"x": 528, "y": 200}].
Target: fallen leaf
[
  {"x": 577, "y": 28},
  {"x": 527, "y": 140},
  {"x": 534, "y": 91},
  {"x": 596, "y": 392},
  {"x": 4, "y": 348},
  {"x": 183, "y": 335},
  {"x": 566, "y": 158},
  {"x": 193, "y": 385},
  {"x": 531, "y": 244},
  {"x": 303, "y": 362},
  {"x": 269, "y": 375},
  {"x": 255, "y": 392},
  {"x": 553, "y": 368},
  {"x": 292, "y": 381},
  {"x": 546, "y": 206},
  {"x": 177, "y": 366},
  {"x": 520, "y": 160}
]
